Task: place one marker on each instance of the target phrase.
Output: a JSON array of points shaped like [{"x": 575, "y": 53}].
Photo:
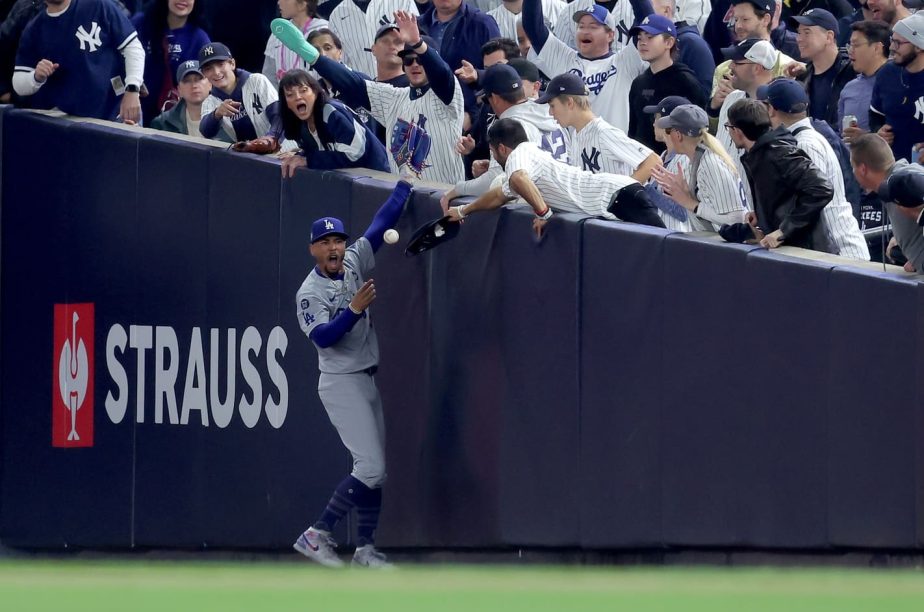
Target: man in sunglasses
[{"x": 422, "y": 121}]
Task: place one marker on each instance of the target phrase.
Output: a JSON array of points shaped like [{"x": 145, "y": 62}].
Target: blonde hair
[
  {"x": 581, "y": 102},
  {"x": 712, "y": 143}
]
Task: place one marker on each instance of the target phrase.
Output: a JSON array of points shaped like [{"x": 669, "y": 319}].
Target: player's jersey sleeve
[
  {"x": 120, "y": 28},
  {"x": 312, "y": 306},
  {"x": 361, "y": 257},
  {"x": 524, "y": 158},
  {"x": 383, "y": 99},
  {"x": 630, "y": 61},
  {"x": 619, "y": 152}
]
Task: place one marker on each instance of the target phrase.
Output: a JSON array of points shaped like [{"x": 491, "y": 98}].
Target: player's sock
[
  {"x": 367, "y": 514},
  {"x": 341, "y": 502}
]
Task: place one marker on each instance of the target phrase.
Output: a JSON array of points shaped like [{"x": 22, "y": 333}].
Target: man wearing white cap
[{"x": 897, "y": 105}]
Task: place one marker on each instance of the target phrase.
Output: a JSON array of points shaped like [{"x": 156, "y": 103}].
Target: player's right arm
[
  {"x": 388, "y": 214},
  {"x": 31, "y": 70},
  {"x": 534, "y": 25},
  {"x": 314, "y": 315},
  {"x": 351, "y": 86},
  {"x": 490, "y": 200}
]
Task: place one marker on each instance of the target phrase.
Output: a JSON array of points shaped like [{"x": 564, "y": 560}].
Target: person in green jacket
[{"x": 184, "y": 118}]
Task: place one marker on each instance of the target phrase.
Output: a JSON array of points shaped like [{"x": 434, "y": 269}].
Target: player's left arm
[
  {"x": 522, "y": 185},
  {"x": 490, "y": 200},
  {"x": 439, "y": 74},
  {"x": 121, "y": 29},
  {"x": 388, "y": 214}
]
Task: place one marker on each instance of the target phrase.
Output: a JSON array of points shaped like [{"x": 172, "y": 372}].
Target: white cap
[{"x": 762, "y": 53}]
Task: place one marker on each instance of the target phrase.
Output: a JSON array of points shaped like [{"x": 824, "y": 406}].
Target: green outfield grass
[{"x": 136, "y": 586}]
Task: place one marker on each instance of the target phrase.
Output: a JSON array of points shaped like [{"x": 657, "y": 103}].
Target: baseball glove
[
  {"x": 432, "y": 234},
  {"x": 260, "y": 146}
]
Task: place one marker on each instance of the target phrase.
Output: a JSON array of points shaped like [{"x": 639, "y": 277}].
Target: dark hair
[
  {"x": 325, "y": 32},
  {"x": 292, "y": 125},
  {"x": 507, "y": 45},
  {"x": 751, "y": 117},
  {"x": 507, "y": 132},
  {"x": 875, "y": 32},
  {"x": 154, "y": 22},
  {"x": 513, "y": 97}
]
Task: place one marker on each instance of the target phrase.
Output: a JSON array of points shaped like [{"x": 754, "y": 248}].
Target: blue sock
[
  {"x": 349, "y": 493},
  {"x": 367, "y": 514}
]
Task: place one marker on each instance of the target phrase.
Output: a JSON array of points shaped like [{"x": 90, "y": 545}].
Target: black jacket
[
  {"x": 789, "y": 191},
  {"x": 650, "y": 88},
  {"x": 843, "y": 74}
]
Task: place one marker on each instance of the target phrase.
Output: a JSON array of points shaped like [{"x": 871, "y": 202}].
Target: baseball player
[
  {"x": 607, "y": 75},
  {"x": 507, "y": 13},
  {"x": 711, "y": 190},
  {"x": 621, "y": 19},
  {"x": 333, "y": 310},
  {"x": 593, "y": 144},
  {"x": 422, "y": 121},
  {"x": 547, "y": 184},
  {"x": 356, "y": 24},
  {"x": 789, "y": 104}
]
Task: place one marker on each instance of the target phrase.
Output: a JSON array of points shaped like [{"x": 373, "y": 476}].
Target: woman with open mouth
[{"x": 331, "y": 134}]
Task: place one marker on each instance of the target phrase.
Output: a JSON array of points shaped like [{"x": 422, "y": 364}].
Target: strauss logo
[{"x": 73, "y": 368}]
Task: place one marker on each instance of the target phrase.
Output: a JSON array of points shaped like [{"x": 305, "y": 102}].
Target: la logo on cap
[
  {"x": 645, "y": 21},
  {"x": 328, "y": 224}
]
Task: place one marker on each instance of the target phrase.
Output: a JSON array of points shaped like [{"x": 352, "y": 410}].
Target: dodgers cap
[{"x": 325, "y": 226}]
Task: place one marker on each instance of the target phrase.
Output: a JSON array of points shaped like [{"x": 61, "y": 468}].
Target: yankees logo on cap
[
  {"x": 187, "y": 67},
  {"x": 214, "y": 52}
]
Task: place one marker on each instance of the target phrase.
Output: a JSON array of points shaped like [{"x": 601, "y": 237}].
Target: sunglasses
[{"x": 410, "y": 60}]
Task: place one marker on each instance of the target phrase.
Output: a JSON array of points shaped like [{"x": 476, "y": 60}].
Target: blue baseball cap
[
  {"x": 325, "y": 226},
  {"x": 815, "y": 17},
  {"x": 214, "y": 52},
  {"x": 186, "y": 68},
  {"x": 666, "y": 105},
  {"x": 654, "y": 25},
  {"x": 785, "y": 95},
  {"x": 500, "y": 79},
  {"x": 904, "y": 188},
  {"x": 564, "y": 84},
  {"x": 687, "y": 119},
  {"x": 600, "y": 15}
]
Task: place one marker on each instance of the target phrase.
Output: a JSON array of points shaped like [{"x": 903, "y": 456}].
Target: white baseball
[{"x": 391, "y": 236}]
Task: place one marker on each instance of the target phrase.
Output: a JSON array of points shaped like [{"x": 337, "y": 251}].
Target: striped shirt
[
  {"x": 674, "y": 163},
  {"x": 837, "y": 217},
  {"x": 356, "y": 28},
  {"x": 507, "y": 20},
  {"x": 600, "y": 147},
  {"x": 566, "y": 30},
  {"x": 564, "y": 188},
  {"x": 719, "y": 190},
  {"x": 724, "y": 137}
]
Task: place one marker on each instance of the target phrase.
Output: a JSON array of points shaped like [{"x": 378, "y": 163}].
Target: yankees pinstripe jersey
[
  {"x": 356, "y": 28},
  {"x": 674, "y": 162},
  {"x": 837, "y": 217},
  {"x": 507, "y": 20},
  {"x": 564, "y": 187},
  {"x": 723, "y": 136},
  {"x": 321, "y": 298},
  {"x": 566, "y": 30},
  {"x": 417, "y": 115},
  {"x": 719, "y": 190},
  {"x": 259, "y": 110},
  {"x": 608, "y": 78},
  {"x": 540, "y": 129},
  {"x": 600, "y": 147}
]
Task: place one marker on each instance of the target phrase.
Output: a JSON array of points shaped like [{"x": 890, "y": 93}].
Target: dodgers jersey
[
  {"x": 86, "y": 40},
  {"x": 507, "y": 20},
  {"x": 600, "y": 147},
  {"x": 356, "y": 28},
  {"x": 608, "y": 78},
  {"x": 837, "y": 217},
  {"x": 321, "y": 298},
  {"x": 563, "y": 187}
]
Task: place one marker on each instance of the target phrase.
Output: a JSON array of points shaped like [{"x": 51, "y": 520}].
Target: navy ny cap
[
  {"x": 214, "y": 52},
  {"x": 564, "y": 84},
  {"x": 500, "y": 79},
  {"x": 186, "y": 68},
  {"x": 326, "y": 226},
  {"x": 665, "y": 106},
  {"x": 785, "y": 95},
  {"x": 904, "y": 188},
  {"x": 815, "y": 17}
]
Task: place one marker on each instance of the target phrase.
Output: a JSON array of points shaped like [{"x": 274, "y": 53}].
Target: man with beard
[{"x": 897, "y": 105}]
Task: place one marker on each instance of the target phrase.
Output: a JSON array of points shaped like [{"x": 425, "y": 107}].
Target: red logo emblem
[{"x": 72, "y": 376}]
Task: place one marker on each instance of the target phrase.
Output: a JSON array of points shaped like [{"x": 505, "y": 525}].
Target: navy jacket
[
  {"x": 695, "y": 55},
  {"x": 463, "y": 39}
]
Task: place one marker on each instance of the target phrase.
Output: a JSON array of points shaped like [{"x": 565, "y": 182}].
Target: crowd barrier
[{"x": 608, "y": 387}]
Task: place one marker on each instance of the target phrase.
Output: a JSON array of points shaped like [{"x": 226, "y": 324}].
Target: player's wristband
[
  {"x": 460, "y": 210},
  {"x": 418, "y": 44},
  {"x": 545, "y": 216},
  {"x": 353, "y": 310}
]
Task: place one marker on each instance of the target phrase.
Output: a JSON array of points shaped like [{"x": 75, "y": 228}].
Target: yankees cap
[
  {"x": 214, "y": 52},
  {"x": 382, "y": 31},
  {"x": 815, "y": 17},
  {"x": 564, "y": 84},
  {"x": 499, "y": 79},
  {"x": 186, "y": 68},
  {"x": 904, "y": 188},
  {"x": 326, "y": 226},
  {"x": 666, "y": 105},
  {"x": 785, "y": 95}
]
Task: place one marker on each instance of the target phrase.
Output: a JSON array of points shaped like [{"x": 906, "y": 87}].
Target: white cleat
[
  {"x": 318, "y": 546},
  {"x": 368, "y": 556}
]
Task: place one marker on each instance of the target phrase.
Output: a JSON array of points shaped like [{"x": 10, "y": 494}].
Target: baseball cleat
[
  {"x": 318, "y": 546},
  {"x": 293, "y": 39},
  {"x": 368, "y": 556}
]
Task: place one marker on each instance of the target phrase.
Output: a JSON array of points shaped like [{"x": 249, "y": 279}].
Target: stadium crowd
[{"x": 796, "y": 122}]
